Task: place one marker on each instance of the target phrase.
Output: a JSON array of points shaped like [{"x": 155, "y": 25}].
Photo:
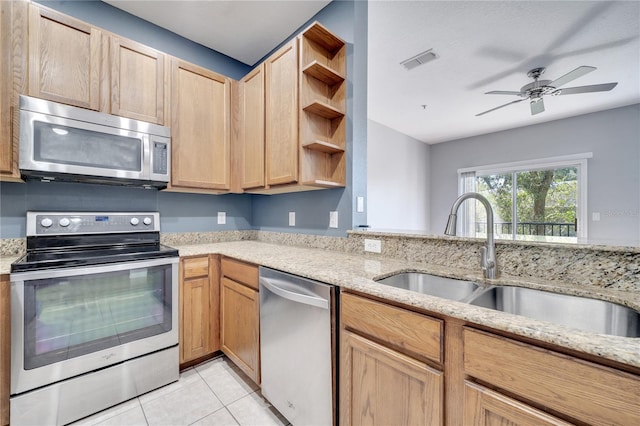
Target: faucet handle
[{"x": 485, "y": 263}]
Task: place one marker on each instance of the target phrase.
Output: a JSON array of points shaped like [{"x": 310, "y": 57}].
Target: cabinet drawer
[
  {"x": 407, "y": 331},
  {"x": 244, "y": 273},
  {"x": 585, "y": 391},
  {"x": 195, "y": 267}
]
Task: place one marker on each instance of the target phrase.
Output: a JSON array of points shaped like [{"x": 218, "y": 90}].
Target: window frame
[{"x": 573, "y": 160}]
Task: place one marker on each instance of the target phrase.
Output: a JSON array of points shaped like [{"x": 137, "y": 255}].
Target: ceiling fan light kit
[{"x": 539, "y": 88}]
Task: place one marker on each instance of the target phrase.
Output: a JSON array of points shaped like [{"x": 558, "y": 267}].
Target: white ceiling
[
  {"x": 481, "y": 46},
  {"x": 490, "y": 45},
  {"x": 242, "y": 29}
]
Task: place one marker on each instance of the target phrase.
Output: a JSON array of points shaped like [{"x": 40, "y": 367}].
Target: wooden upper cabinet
[
  {"x": 64, "y": 59},
  {"x": 252, "y": 129},
  {"x": 281, "y": 115},
  {"x": 13, "y": 45},
  {"x": 137, "y": 81},
  {"x": 200, "y": 134}
]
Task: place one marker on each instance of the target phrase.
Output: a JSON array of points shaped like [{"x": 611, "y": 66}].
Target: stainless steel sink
[
  {"x": 433, "y": 285},
  {"x": 592, "y": 315}
]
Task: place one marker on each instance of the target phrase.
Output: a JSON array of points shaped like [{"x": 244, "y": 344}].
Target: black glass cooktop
[{"x": 64, "y": 252}]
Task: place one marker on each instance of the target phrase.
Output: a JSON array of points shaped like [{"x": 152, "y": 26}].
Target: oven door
[{"x": 71, "y": 321}]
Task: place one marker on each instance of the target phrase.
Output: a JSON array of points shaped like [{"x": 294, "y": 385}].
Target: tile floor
[{"x": 214, "y": 393}]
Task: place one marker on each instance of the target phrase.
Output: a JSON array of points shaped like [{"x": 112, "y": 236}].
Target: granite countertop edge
[{"x": 357, "y": 272}]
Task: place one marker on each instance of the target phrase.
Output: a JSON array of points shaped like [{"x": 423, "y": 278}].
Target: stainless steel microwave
[{"x": 66, "y": 143}]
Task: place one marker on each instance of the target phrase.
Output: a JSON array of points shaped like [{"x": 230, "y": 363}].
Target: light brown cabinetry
[
  {"x": 240, "y": 316},
  {"x": 304, "y": 109},
  {"x": 13, "y": 47},
  {"x": 386, "y": 377},
  {"x": 323, "y": 93},
  {"x": 199, "y": 307},
  {"x": 64, "y": 59},
  {"x": 200, "y": 134},
  {"x": 75, "y": 63},
  {"x": 558, "y": 382},
  {"x": 137, "y": 81},
  {"x": 5, "y": 348},
  {"x": 484, "y": 407},
  {"x": 282, "y": 115},
  {"x": 251, "y": 139}
]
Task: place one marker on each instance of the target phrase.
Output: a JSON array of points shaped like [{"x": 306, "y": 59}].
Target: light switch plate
[
  {"x": 333, "y": 219},
  {"x": 360, "y": 204},
  {"x": 222, "y": 218},
  {"x": 292, "y": 218}
]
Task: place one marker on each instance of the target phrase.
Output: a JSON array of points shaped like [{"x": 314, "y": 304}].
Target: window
[{"x": 540, "y": 200}]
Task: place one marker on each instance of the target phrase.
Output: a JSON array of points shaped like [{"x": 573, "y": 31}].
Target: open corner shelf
[
  {"x": 323, "y": 183},
  {"x": 323, "y": 73},
  {"x": 322, "y": 36},
  {"x": 323, "y": 146},
  {"x": 323, "y": 110}
]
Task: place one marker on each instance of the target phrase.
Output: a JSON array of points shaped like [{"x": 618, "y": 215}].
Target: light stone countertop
[{"x": 356, "y": 272}]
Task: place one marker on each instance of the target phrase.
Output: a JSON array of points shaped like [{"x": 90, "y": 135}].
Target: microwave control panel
[{"x": 160, "y": 158}]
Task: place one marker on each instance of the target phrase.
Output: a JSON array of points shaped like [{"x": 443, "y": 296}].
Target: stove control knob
[
  {"x": 64, "y": 222},
  {"x": 146, "y": 221},
  {"x": 46, "y": 222},
  {"x": 135, "y": 221}
]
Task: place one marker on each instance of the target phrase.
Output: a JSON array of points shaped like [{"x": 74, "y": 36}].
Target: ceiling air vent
[{"x": 421, "y": 58}]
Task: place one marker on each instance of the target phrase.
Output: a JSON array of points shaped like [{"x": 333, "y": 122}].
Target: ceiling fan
[{"x": 539, "y": 88}]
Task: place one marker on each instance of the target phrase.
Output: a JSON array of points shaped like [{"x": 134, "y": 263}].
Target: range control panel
[{"x": 64, "y": 223}]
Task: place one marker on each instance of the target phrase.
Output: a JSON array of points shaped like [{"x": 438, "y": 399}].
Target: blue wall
[
  {"x": 348, "y": 20},
  {"x": 195, "y": 212}
]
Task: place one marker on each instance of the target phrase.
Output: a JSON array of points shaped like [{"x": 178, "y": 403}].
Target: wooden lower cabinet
[
  {"x": 199, "y": 307},
  {"x": 579, "y": 390},
  {"x": 383, "y": 387},
  {"x": 484, "y": 407},
  {"x": 5, "y": 347},
  {"x": 240, "y": 316},
  {"x": 385, "y": 376}
]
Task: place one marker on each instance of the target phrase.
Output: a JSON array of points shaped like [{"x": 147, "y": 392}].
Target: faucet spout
[{"x": 488, "y": 260}]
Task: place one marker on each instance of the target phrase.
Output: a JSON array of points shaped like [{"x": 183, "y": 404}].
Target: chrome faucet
[{"x": 488, "y": 252}]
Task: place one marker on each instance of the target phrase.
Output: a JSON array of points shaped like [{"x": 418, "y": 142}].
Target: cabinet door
[
  {"x": 484, "y": 407},
  {"x": 64, "y": 59},
  {"x": 199, "y": 313},
  {"x": 8, "y": 155},
  {"x": 382, "y": 387},
  {"x": 200, "y": 114},
  {"x": 5, "y": 348},
  {"x": 137, "y": 81},
  {"x": 240, "y": 326},
  {"x": 252, "y": 128},
  {"x": 282, "y": 115}
]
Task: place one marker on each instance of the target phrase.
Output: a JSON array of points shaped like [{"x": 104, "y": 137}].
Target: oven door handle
[
  {"x": 90, "y": 270},
  {"x": 276, "y": 287}
]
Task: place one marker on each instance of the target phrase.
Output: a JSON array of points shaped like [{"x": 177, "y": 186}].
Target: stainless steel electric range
[{"x": 94, "y": 314}]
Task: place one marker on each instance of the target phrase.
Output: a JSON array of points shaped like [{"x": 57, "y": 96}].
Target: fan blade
[
  {"x": 504, "y": 92},
  {"x": 537, "y": 106},
  {"x": 605, "y": 87},
  {"x": 501, "y": 106},
  {"x": 570, "y": 76}
]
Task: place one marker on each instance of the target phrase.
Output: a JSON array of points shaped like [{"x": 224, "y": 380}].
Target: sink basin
[
  {"x": 433, "y": 285},
  {"x": 592, "y": 315}
]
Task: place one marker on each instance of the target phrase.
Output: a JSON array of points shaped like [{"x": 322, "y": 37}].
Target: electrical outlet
[
  {"x": 333, "y": 219},
  {"x": 292, "y": 218},
  {"x": 222, "y": 218},
  {"x": 374, "y": 246}
]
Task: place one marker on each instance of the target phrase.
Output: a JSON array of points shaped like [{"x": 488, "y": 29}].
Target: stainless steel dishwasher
[{"x": 298, "y": 347}]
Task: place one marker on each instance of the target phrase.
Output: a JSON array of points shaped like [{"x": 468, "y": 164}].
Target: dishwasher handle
[{"x": 271, "y": 285}]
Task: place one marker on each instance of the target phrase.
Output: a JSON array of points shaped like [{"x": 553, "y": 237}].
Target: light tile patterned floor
[{"x": 215, "y": 393}]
